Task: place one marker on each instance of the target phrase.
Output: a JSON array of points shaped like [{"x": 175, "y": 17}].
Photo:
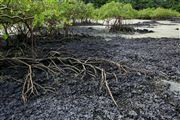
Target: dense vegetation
[
  {"x": 22, "y": 17},
  {"x": 142, "y": 4}
]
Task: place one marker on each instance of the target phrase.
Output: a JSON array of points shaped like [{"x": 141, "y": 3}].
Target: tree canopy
[{"x": 141, "y": 4}]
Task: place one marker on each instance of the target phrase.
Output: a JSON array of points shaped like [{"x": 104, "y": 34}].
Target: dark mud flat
[{"x": 139, "y": 96}]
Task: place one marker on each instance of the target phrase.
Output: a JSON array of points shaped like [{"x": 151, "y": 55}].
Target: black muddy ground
[{"x": 139, "y": 96}]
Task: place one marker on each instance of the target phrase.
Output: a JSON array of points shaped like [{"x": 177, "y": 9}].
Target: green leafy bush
[
  {"x": 127, "y": 11},
  {"x": 27, "y": 14},
  {"x": 176, "y": 7},
  {"x": 89, "y": 13},
  {"x": 110, "y": 10},
  {"x": 157, "y": 13},
  {"x": 146, "y": 13},
  {"x": 72, "y": 10},
  {"x": 163, "y": 13},
  {"x": 116, "y": 9}
]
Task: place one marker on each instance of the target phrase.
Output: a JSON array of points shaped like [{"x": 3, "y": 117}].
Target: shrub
[
  {"x": 176, "y": 7},
  {"x": 157, "y": 13},
  {"x": 164, "y": 13},
  {"x": 116, "y": 9},
  {"x": 146, "y": 13},
  {"x": 28, "y": 14},
  {"x": 110, "y": 10},
  {"x": 72, "y": 10},
  {"x": 89, "y": 13},
  {"x": 127, "y": 11}
]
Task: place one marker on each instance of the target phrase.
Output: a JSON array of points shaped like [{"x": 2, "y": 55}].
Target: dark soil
[
  {"x": 129, "y": 29},
  {"x": 86, "y": 23},
  {"x": 139, "y": 96},
  {"x": 146, "y": 23}
]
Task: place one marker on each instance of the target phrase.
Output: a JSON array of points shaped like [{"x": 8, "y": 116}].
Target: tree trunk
[{"x": 33, "y": 42}]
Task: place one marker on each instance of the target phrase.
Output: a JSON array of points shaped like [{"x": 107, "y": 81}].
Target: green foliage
[
  {"x": 71, "y": 9},
  {"x": 75, "y": 10},
  {"x": 146, "y": 13},
  {"x": 25, "y": 15},
  {"x": 5, "y": 36},
  {"x": 163, "y": 13},
  {"x": 45, "y": 12},
  {"x": 110, "y": 10},
  {"x": 116, "y": 9},
  {"x": 97, "y": 3},
  {"x": 96, "y": 14},
  {"x": 157, "y": 13},
  {"x": 128, "y": 11},
  {"x": 89, "y": 13},
  {"x": 176, "y": 7},
  {"x": 142, "y": 4},
  {"x": 29, "y": 14}
]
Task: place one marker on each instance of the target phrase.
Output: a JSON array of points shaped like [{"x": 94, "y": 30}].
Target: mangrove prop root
[{"x": 53, "y": 65}]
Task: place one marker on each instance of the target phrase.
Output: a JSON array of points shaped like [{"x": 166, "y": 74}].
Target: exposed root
[
  {"x": 109, "y": 91},
  {"x": 54, "y": 65}
]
